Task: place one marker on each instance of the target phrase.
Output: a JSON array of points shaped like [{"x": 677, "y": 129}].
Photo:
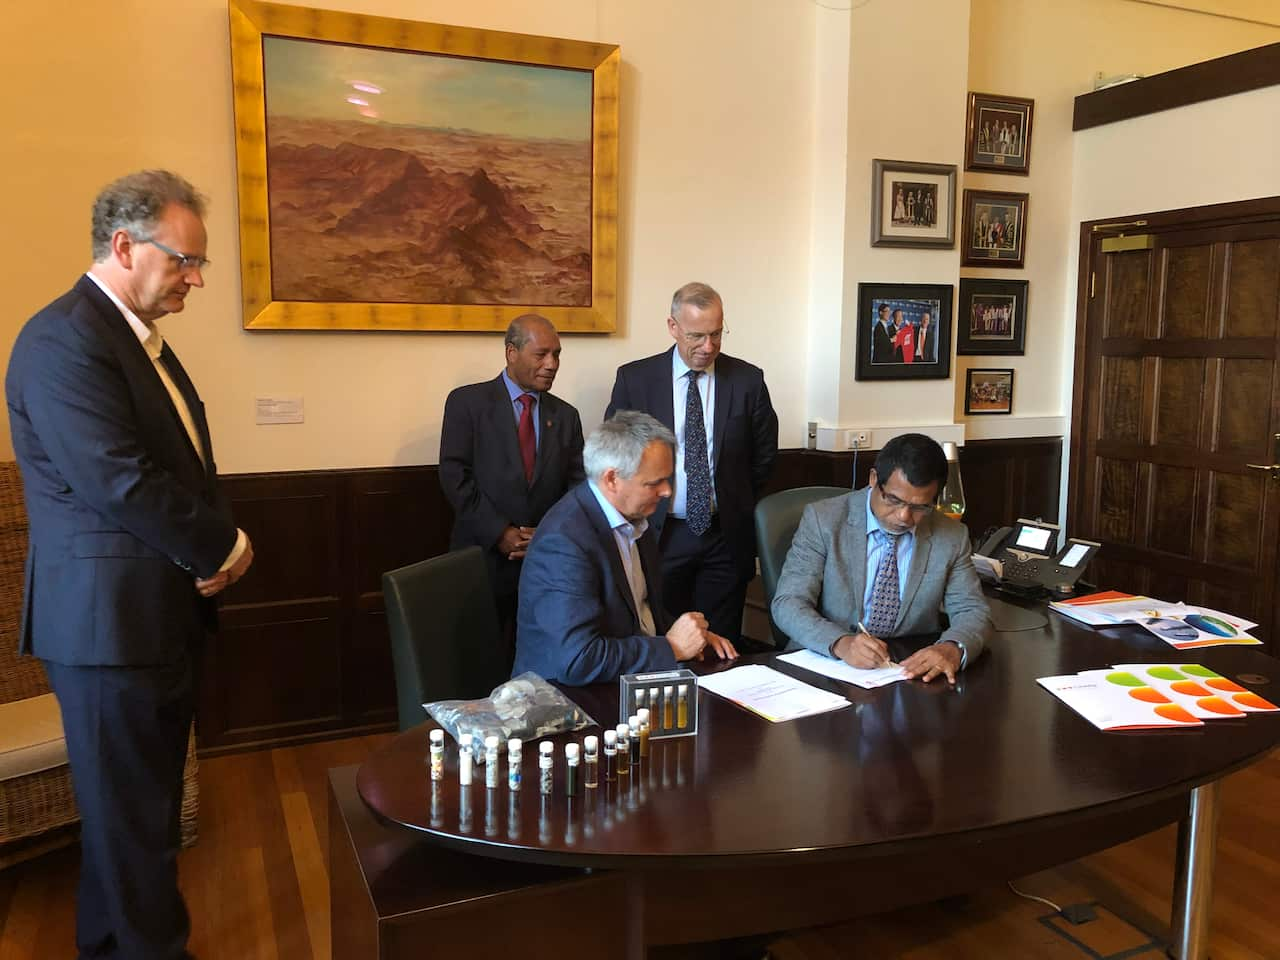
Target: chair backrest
[
  {"x": 777, "y": 517},
  {"x": 20, "y": 677},
  {"x": 445, "y": 637}
]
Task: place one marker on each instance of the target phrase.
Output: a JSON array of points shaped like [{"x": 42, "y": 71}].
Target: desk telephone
[{"x": 1024, "y": 558}]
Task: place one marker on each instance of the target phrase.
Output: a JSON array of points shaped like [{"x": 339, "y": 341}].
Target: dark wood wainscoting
[{"x": 302, "y": 651}]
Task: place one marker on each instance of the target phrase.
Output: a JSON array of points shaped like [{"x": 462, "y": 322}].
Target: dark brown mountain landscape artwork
[{"x": 420, "y": 178}]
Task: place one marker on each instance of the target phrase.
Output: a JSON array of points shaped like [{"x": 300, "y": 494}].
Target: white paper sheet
[
  {"x": 771, "y": 694},
  {"x": 839, "y": 670}
]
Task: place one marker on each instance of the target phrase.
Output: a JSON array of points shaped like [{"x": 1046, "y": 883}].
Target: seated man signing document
[
  {"x": 881, "y": 562},
  {"x": 591, "y": 588}
]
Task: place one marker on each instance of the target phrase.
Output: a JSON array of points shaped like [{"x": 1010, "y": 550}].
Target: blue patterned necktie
[
  {"x": 697, "y": 473},
  {"x": 883, "y": 614}
]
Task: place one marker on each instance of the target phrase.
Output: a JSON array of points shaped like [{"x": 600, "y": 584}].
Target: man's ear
[
  {"x": 122, "y": 248},
  {"x": 609, "y": 479}
]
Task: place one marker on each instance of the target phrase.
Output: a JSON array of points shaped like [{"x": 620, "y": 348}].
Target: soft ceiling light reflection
[
  {"x": 365, "y": 87},
  {"x": 368, "y": 112},
  {"x": 357, "y": 101}
]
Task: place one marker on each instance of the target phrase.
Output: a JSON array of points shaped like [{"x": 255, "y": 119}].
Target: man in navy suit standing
[
  {"x": 129, "y": 543},
  {"x": 726, "y": 433},
  {"x": 509, "y": 449},
  {"x": 591, "y": 597}
]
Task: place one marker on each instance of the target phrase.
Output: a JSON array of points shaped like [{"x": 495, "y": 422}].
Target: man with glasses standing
[
  {"x": 130, "y": 541},
  {"x": 882, "y": 562},
  {"x": 726, "y": 432}
]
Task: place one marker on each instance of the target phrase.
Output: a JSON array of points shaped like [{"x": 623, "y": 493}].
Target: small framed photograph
[
  {"x": 992, "y": 319},
  {"x": 994, "y": 231},
  {"x": 913, "y": 204},
  {"x": 988, "y": 391},
  {"x": 904, "y": 331},
  {"x": 998, "y": 133}
]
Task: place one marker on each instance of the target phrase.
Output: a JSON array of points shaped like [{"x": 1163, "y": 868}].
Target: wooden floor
[{"x": 257, "y": 883}]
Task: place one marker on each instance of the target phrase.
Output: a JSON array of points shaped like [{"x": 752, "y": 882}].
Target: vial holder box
[{"x": 660, "y": 694}]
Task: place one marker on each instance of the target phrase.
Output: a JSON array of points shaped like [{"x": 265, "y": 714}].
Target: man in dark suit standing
[
  {"x": 926, "y": 340},
  {"x": 882, "y": 350},
  {"x": 591, "y": 593},
  {"x": 508, "y": 451},
  {"x": 130, "y": 541},
  {"x": 726, "y": 438}
]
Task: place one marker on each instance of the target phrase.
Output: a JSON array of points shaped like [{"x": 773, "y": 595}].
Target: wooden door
[{"x": 1176, "y": 392}]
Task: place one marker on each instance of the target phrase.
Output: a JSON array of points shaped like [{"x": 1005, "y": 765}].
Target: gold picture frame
[{"x": 252, "y": 21}]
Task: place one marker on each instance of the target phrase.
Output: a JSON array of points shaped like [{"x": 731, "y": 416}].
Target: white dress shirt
[{"x": 679, "y": 399}]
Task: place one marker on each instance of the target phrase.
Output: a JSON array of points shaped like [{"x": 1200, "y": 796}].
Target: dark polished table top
[{"x": 907, "y": 764}]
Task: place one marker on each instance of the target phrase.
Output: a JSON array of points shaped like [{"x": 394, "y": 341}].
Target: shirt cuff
[{"x": 242, "y": 541}]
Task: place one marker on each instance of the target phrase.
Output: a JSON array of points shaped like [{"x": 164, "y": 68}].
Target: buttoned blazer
[{"x": 124, "y": 514}]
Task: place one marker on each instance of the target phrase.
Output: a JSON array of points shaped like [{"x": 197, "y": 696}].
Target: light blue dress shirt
[
  {"x": 877, "y": 543},
  {"x": 625, "y": 535}
]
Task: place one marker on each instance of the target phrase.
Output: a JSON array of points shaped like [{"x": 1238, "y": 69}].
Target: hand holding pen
[{"x": 862, "y": 650}]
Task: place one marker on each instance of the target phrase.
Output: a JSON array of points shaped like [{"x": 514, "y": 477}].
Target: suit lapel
[
  {"x": 502, "y": 426},
  {"x": 610, "y": 543},
  {"x": 723, "y": 401},
  {"x": 858, "y": 555},
  {"x": 662, "y": 390},
  {"x": 189, "y": 396},
  {"x": 548, "y": 414},
  {"x": 919, "y": 561}
]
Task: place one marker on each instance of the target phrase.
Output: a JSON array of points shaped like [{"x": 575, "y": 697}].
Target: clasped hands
[
  {"x": 866, "y": 652},
  {"x": 211, "y": 586},
  {"x": 514, "y": 542},
  {"x": 689, "y": 638}
]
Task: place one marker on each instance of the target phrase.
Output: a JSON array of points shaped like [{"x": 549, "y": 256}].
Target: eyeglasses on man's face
[
  {"x": 894, "y": 503},
  {"x": 186, "y": 261},
  {"x": 698, "y": 339}
]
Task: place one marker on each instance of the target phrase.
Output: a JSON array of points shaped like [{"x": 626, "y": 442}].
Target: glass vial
[
  {"x": 465, "y": 760},
  {"x": 437, "y": 755},
  {"x": 546, "y": 764},
  {"x": 682, "y": 707},
  {"x": 668, "y": 708},
  {"x": 591, "y": 748},
  {"x": 571, "y": 769},
  {"x": 643, "y": 716},
  {"x": 610, "y": 756},
  {"x": 623, "y": 739},
  {"x": 639, "y": 699},
  {"x": 633, "y": 738},
  {"x": 514, "y": 746},
  {"x": 491, "y": 762}
]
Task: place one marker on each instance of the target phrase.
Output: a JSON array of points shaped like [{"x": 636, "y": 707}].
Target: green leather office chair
[
  {"x": 445, "y": 637},
  {"x": 777, "y": 517}
]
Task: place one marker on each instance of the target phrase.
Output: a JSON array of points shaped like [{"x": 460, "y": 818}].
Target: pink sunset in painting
[{"x": 417, "y": 178}]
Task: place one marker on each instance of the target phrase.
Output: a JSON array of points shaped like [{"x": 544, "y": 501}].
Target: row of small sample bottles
[
  {"x": 669, "y": 706},
  {"x": 624, "y": 746}
]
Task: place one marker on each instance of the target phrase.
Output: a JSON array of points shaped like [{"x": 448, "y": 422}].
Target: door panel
[{"x": 1177, "y": 391}]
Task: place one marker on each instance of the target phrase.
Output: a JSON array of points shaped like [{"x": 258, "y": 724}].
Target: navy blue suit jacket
[
  {"x": 124, "y": 516},
  {"x": 577, "y": 619},
  {"x": 482, "y": 474},
  {"x": 744, "y": 438}
]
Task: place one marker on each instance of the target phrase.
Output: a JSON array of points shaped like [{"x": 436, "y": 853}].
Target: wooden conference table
[{"x": 915, "y": 793}]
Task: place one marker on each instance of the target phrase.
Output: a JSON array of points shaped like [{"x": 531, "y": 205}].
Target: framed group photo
[
  {"x": 998, "y": 133},
  {"x": 913, "y": 204},
  {"x": 904, "y": 331},
  {"x": 992, "y": 319},
  {"x": 994, "y": 229},
  {"x": 988, "y": 391}
]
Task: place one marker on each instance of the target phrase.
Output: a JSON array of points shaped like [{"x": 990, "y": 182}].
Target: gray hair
[
  {"x": 134, "y": 204},
  {"x": 518, "y": 331},
  {"x": 700, "y": 295},
  {"x": 620, "y": 442}
]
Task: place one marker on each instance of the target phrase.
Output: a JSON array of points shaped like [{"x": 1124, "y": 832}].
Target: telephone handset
[{"x": 1025, "y": 558}]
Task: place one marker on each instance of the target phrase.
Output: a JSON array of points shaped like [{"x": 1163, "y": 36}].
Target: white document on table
[
  {"x": 839, "y": 670},
  {"x": 770, "y": 693}
]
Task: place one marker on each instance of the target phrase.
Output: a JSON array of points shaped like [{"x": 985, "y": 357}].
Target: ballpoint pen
[{"x": 887, "y": 662}]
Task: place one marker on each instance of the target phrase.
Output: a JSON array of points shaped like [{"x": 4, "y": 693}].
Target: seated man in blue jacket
[{"x": 591, "y": 588}]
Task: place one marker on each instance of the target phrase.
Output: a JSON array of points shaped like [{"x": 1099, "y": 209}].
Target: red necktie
[{"x": 528, "y": 441}]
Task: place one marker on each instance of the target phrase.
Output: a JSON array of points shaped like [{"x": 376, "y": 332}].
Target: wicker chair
[{"x": 34, "y": 804}]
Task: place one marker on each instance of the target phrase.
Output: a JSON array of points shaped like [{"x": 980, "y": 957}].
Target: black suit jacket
[
  {"x": 124, "y": 515},
  {"x": 744, "y": 437},
  {"x": 482, "y": 473}
]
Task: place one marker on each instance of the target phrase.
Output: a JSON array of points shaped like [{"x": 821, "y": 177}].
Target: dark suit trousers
[
  {"x": 700, "y": 573},
  {"x": 126, "y": 730}
]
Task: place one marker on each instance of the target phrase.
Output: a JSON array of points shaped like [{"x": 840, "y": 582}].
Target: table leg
[{"x": 1193, "y": 880}]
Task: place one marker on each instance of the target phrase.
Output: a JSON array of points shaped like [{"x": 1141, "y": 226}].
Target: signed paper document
[{"x": 771, "y": 694}]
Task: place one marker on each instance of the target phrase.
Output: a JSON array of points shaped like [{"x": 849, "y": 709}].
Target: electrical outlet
[{"x": 857, "y": 439}]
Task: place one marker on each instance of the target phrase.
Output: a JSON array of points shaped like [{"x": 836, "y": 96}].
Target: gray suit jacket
[{"x": 820, "y": 590}]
